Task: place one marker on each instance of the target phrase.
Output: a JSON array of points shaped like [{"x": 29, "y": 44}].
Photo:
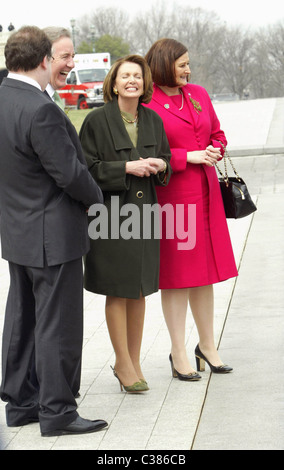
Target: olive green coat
[{"x": 122, "y": 262}]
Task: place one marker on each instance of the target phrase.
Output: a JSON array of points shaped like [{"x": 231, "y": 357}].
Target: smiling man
[{"x": 62, "y": 60}]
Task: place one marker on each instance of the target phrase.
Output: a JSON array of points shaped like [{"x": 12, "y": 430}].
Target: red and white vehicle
[{"x": 84, "y": 84}]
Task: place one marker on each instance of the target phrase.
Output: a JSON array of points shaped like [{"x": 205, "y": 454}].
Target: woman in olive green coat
[{"x": 128, "y": 154}]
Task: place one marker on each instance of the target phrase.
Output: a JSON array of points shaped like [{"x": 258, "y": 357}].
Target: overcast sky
[{"x": 251, "y": 13}]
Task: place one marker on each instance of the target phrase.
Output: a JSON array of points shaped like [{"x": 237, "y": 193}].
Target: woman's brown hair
[
  {"x": 112, "y": 74},
  {"x": 161, "y": 59}
]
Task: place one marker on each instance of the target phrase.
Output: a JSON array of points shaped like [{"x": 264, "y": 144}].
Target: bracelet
[{"x": 165, "y": 167}]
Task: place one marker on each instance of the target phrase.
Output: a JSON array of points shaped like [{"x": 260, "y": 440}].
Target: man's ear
[
  {"x": 45, "y": 63},
  {"x": 44, "y": 70}
]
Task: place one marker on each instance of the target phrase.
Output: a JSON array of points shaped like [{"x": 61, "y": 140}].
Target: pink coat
[{"x": 197, "y": 251}]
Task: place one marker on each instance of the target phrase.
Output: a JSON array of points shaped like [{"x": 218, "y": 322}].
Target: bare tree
[
  {"x": 114, "y": 22},
  {"x": 235, "y": 71},
  {"x": 275, "y": 48},
  {"x": 222, "y": 58},
  {"x": 148, "y": 26},
  {"x": 261, "y": 84},
  {"x": 201, "y": 32}
]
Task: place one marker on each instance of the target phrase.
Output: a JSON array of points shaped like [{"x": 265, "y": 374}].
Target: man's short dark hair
[{"x": 26, "y": 49}]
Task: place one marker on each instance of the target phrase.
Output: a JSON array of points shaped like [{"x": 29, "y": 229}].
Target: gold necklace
[
  {"x": 128, "y": 120},
  {"x": 181, "y": 100}
]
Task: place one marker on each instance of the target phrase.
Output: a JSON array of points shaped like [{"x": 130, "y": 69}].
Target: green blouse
[{"x": 132, "y": 128}]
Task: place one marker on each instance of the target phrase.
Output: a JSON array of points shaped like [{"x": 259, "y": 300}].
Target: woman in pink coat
[{"x": 196, "y": 252}]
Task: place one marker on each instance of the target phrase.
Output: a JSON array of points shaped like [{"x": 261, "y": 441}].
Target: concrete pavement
[
  {"x": 253, "y": 127},
  {"x": 242, "y": 410}
]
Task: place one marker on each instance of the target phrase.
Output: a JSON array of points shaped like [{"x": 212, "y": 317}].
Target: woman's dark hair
[
  {"x": 26, "y": 49},
  {"x": 112, "y": 74},
  {"x": 161, "y": 59}
]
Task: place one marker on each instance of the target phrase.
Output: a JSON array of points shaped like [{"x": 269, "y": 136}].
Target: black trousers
[{"x": 42, "y": 344}]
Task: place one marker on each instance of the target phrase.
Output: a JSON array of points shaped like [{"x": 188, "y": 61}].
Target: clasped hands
[
  {"x": 208, "y": 157},
  {"x": 145, "y": 166}
]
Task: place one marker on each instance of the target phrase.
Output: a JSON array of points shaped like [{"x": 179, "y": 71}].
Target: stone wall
[{"x": 3, "y": 39}]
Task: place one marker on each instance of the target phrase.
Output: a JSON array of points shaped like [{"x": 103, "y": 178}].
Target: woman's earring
[{"x": 115, "y": 91}]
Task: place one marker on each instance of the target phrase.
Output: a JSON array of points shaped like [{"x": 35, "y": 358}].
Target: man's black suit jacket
[{"x": 45, "y": 186}]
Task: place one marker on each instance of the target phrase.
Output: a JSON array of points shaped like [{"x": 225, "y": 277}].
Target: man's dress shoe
[{"x": 78, "y": 426}]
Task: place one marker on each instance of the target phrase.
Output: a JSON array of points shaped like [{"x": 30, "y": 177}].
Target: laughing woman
[{"x": 128, "y": 155}]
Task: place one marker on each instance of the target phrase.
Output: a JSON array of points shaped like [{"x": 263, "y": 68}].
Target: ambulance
[{"x": 84, "y": 84}]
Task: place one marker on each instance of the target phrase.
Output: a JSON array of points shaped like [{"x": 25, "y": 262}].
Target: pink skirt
[{"x": 201, "y": 262}]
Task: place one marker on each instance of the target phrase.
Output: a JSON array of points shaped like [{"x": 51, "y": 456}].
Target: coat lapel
[
  {"x": 118, "y": 132},
  {"x": 146, "y": 131},
  {"x": 163, "y": 100},
  {"x": 121, "y": 139}
]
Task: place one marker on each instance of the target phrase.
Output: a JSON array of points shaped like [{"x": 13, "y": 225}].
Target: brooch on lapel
[
  {"x": 195, "y": 103},
  {"x": 166, "y": 106}
]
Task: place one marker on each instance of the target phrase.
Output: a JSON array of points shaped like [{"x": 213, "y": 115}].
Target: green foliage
[
  {"x": 112, "y": 44},
  {"x": 84, "y": 48}
]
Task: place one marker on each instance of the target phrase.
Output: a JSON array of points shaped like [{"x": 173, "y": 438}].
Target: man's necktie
[{"x": 58, "y": 100}]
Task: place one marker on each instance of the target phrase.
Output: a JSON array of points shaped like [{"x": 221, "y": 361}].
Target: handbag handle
[{"x": 226, "y": 156}]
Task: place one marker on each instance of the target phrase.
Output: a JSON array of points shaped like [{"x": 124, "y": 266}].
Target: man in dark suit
[{"x": 45, "y": 190}]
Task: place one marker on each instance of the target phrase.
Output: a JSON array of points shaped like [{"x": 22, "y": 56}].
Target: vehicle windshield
[{"x": 92, "y": 75}]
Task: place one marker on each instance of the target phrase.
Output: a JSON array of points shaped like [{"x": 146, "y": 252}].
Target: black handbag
[{"x": 235, "y": 194}]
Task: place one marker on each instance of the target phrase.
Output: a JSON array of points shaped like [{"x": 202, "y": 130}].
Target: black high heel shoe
[
  {"x": 200, "y": 363},
  {"x": 187, "y": 377}
]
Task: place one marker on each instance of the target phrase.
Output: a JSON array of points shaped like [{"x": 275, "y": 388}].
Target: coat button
[{"x": 139, "y": 194}]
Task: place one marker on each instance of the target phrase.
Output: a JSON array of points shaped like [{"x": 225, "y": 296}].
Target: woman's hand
[
  {"x": 145, "y": 166},
  {"x": 208, "y": 157}
]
